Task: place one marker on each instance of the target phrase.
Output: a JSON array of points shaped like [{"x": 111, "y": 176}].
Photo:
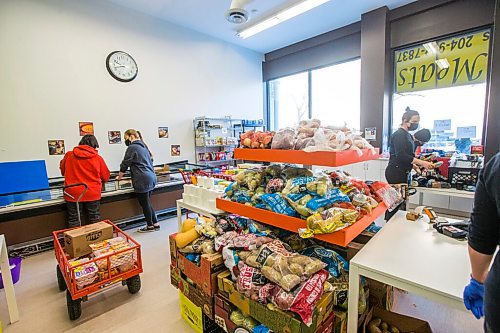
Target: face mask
[
  {"x": 127, "y": 142},
  {"x": 413, "y": 126}
]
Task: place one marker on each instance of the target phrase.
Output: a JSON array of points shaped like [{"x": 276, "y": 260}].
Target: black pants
[
  {"x": 147, "y": 208},
  {"x": 396, "y": 175},
  {"x": 492, "y": 298},
  {"x": 89, "y": 208}
]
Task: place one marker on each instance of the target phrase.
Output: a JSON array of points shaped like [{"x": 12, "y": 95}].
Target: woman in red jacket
[{"x": 84, "y": 165}]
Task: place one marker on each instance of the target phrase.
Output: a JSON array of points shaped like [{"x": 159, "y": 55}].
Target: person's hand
[
  {"x": 473, "y": 297},
  {"x": 425, "y": 164},
  {"x": 118, "y": 178}
]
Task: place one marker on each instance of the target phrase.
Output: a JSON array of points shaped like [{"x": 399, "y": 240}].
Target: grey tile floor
[{"x": 155, "y": 308}]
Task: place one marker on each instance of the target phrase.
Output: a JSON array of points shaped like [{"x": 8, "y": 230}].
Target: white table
[
  {"x": 181, "y": 204},
  {"x": 414, "y": 257},
  {"x": 451, "y": 192},
  {"x": 7, "y": 282}
]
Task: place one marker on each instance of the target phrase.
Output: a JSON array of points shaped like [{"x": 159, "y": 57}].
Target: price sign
[
  {"x": 442, "y": 125},
  {"x": 444, "y": 63},
  {"x": 466, "y": 132},
  {"x": 371, "y": 133}
]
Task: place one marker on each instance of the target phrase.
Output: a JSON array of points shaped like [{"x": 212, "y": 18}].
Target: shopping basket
[{"x": 95, "y": 274}]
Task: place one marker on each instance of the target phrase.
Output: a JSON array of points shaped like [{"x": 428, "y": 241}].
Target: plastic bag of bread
[
  {"x": 303, "y": 299},
  {"x": 284, "y": 139}
]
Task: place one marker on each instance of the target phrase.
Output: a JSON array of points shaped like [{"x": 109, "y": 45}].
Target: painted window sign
[{"x": 449, "y": 62}]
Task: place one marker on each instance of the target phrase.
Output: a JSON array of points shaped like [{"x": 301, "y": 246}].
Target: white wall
[{"x": 53, "y": 75}]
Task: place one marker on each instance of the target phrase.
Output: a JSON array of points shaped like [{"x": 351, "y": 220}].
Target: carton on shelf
[
  {"x": 224, "y": 308},
  {"x": 204, "y": 275},
  {"x": 76, "y": 241},
  {"x": 403, "y": 323},
  {"x": 381, "y": 295},
  {"x": 193, "y": 292},
  {"x": 278, "y": 321}
]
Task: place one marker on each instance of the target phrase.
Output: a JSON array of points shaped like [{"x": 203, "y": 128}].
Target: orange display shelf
[
  {"x": 341, "y": 237},
  {"x": 321, "y": 158}
]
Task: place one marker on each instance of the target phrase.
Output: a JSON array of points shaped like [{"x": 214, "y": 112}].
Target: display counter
[{"x": 30, "y": 221}]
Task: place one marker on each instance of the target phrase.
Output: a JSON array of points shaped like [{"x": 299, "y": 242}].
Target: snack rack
[
  {"x": 109, "y": 276},
  {"x": 321, "y": 158}
]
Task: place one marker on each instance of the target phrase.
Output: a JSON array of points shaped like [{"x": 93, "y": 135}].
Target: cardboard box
[
  {"x": 76, "y": 241},
  {"x": 404, "y": 323},
  {"x": 277, "y": 320},
  {"x": 224, "y": 308},
  {"x": 381, "y": 295},
  {"x": 191, "y": 313},
  {"x": 340, "y": 321},
  {"x": 205, "y": 274},
  {"x": 192, "y": 291}
]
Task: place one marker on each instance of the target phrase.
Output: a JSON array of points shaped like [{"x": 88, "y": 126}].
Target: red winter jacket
[{"x": 84, "y": 165}]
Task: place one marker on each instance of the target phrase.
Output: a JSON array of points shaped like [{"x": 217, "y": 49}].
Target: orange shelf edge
[
  {"x": 341, "y": 237},
  {"x": 320, "y": 158}
]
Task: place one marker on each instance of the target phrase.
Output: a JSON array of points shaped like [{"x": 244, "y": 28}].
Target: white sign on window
[
  {"x": 466, "y": 132},
  {"x": 371, "y": 133},
  {"x": 442, "y": 125}
]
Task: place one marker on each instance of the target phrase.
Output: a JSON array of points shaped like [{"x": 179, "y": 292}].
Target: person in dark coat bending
[{"x": 138, "y": 159}]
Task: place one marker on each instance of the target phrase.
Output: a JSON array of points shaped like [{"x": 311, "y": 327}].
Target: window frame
[{"x": 392, "y": 72}]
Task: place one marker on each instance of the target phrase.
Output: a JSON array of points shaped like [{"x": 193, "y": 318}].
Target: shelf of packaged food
[
  {"x": 218, "y": 161},
  {"x": 320, "y": 158},
  {"x": 216, "y": 146},
  {"x": 341, "y": 237}
]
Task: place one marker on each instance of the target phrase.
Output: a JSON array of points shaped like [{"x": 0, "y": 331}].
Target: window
[
  {"x": 444, "y": 81},
  {"x": 335, "y": 96},
  {"x": 289, "y": 100}
]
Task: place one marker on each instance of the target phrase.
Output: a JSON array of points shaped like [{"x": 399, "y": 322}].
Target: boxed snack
[
  {"x": 277, "y": 320},
  {"x": 85, "y": 274},
  {"x": 395, "y": 322},
  {"x": 120, "y": 261},
  {"x": 340, "y": 321},
  {"x": 77, "y": 241},
  {"x": 173, "y": 249}
]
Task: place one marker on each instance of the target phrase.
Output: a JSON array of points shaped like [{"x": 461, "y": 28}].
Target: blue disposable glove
[{"x": 473, "y": 297}]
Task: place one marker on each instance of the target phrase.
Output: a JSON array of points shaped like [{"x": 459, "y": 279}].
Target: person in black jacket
[
  {"x": 138, "y": 159},
  {"x": 402, "y": 153},
  {"x": 482, "y": 294}
]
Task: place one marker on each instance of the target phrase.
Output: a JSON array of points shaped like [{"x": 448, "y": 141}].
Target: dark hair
[
  {"x": 89, "y": 140},
  {"x": 423, "y": 135},
  {"x": 408, "y": 114},
  {"x": 140, "y": 135}
]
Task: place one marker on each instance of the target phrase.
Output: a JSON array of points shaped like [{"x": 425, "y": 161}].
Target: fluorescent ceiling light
[
  {"x": 281, "y": 16},
  {"x": 431, "y": 47},
  {"x": 443, "y": 63}
]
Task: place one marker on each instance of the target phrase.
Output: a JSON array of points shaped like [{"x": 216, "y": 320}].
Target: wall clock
[{"x": 121, "y": 66}]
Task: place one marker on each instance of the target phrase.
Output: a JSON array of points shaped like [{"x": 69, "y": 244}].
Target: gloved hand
[{"x": 473, "y": 297}]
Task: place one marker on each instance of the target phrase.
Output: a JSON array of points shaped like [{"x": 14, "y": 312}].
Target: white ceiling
[{"x": 207, "y": 16}]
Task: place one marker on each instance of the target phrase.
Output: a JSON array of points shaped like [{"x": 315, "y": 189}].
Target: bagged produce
[
  {"x": 312, "y": 185},
  {"x": 284, "y": 268},
  {"x": 335, "y": 264},
  {"x": 231, "y": 261},
  {"x": 201, "y": 245},
  {"x": 299, "y": 202},
  {"x": 304, "y": 298},
  {"x": 224, "y": 239},
  {"x": 292, "y": 171},
  {"x": 275, "y": 185},
  {"x": 251, "y": 178},
  {"x": 250, "y": 281},
  {"x": 329, "y": 221},
  {"x": 241, "y": 320},
  {"x": 387, "y": 194},
  {"x": 333, "y": 195},
  {"x": 206, "y": 227},
  {"x": 276, "y": 203},
  {"x": 252, "y": 139},
  {"x": 284, "y": 139}
]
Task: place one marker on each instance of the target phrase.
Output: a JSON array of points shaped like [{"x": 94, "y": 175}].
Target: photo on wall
[
  {"x": 163, "y": 132},
  {"x": 56, "y": 147},
  {"x": 175, "y": 150},
  {"x": 114, "y": 137},
  {"x": 86, "y": 127}
]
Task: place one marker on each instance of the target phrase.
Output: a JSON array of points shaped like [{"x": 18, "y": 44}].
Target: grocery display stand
[{"x": 319, "y": 158}]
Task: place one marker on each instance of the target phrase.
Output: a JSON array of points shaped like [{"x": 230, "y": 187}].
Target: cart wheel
[
  {"x": 60, "y": 279},
  {"x": 74, "y": 307},
  {"x": 134, "y": 284}
]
